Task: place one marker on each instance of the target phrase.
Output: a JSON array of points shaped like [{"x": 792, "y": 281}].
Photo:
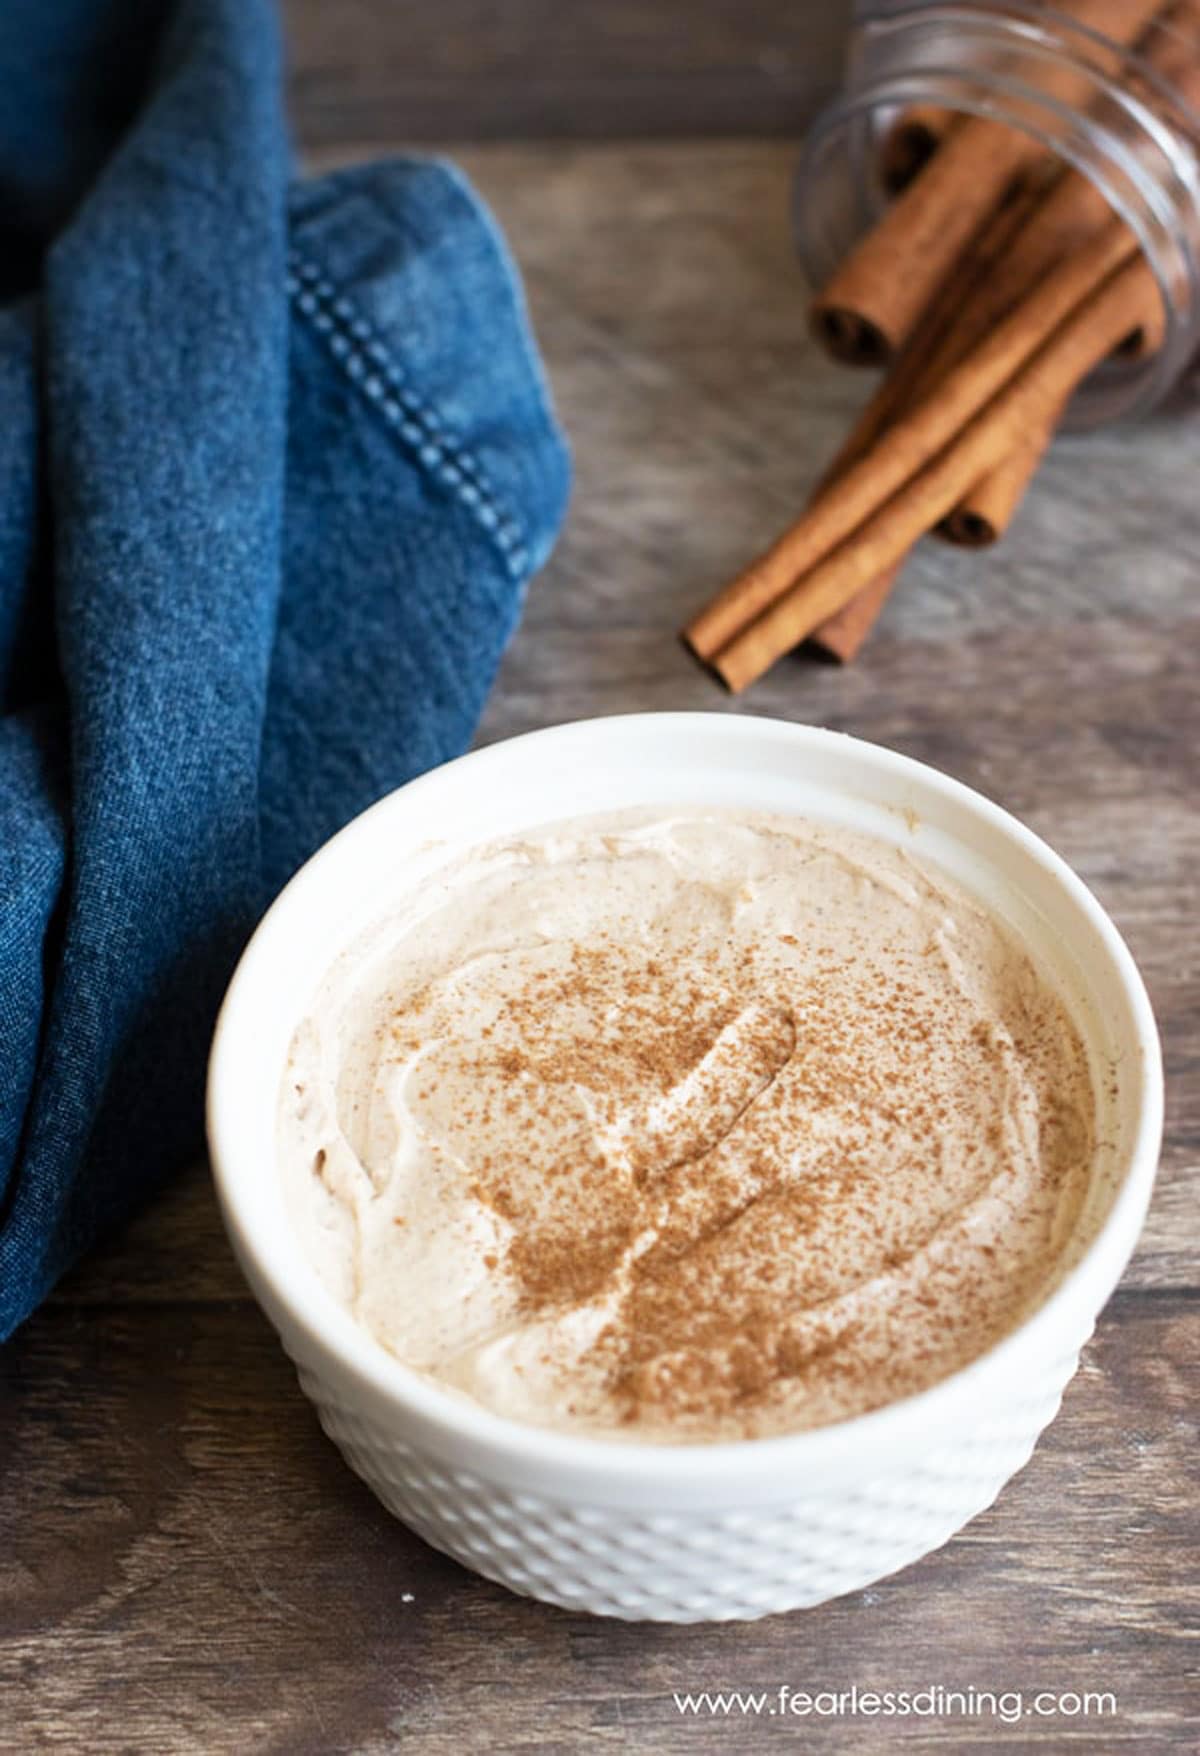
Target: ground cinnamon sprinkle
[{"x": 741, "y": 1125}]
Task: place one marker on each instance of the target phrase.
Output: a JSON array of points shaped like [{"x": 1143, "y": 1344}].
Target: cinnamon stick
[
  {"x": 1026, "y": 403},
  {"x": 922, "y": 362},
  {"x": 909, "y": 443},
  {"x": 1067, "y": 214},
  {"x": 1053, "y": 223},
  {"x": 1066, "y": 241},
  {"x": 874, "y": 300},
  {"x": 911, "y": 141},
  {"x": 1172, "y": 49},
  {"x": 915, "y": 368},
  {"x": 990, "y": 504}
]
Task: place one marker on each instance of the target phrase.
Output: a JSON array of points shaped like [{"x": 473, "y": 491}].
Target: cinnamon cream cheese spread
[{"x": 686, "y": 1125}]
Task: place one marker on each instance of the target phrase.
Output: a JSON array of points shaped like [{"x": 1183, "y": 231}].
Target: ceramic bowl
[{"x": 695, "y": 1532}]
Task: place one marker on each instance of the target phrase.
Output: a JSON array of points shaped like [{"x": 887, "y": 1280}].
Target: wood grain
[
  {"x": 185, "y": 1564},
  {"x": 189, "y": 1566},
  {"x": 384, "y": 71}
]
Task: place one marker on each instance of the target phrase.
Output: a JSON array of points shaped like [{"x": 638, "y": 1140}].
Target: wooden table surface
[{"x": 185, "y": 1563}]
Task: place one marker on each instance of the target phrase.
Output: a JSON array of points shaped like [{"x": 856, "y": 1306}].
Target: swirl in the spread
[{"x": 687, "y": 1126}]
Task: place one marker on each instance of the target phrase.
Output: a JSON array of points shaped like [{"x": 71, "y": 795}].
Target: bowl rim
[{"x": 285, "y": 1282}]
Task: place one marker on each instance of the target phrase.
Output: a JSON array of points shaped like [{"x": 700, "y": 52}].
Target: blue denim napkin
[{"x": 275, "y": 463}]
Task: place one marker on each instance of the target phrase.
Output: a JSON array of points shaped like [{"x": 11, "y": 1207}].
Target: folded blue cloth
[{"x": 275, "y": 463}]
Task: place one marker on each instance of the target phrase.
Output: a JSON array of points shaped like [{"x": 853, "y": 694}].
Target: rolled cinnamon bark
[
  {"x": 909, "y": 443},
  {"x": 1074, "y": 210},
  {"x": 1069, "y": 214},
  {"x": 911, "y": 141},
  {"x": 1066, "y": 215},
  {"x": 923, "y": 360},
  {"x": 917, "y": 367},
  {"x": 875, "y": 299},
  {"x": 1027, "y": 403},
  {"x": 841, "y": 635},
  {"x": 984, "y": 514}
]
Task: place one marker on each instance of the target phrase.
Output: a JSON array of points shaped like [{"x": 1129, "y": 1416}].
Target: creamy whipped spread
[{"x": 686, "y": 1125}]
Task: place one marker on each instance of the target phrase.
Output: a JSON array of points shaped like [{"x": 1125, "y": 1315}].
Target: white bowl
[{"x": 697, "y": 1532}]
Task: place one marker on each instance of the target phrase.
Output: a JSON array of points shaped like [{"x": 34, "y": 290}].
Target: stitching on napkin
[{"x": 357, "y": 347}]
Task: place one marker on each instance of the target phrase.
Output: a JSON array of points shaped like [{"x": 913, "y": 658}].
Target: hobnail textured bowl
[{"x": 681, "y": 1533}]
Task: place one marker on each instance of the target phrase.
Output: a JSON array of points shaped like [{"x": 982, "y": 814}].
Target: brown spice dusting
[
  {"x": 737, "y": 1201},
  {"x": 752, "y": 1149}
]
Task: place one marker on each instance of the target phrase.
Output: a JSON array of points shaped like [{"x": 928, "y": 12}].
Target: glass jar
[{"x": 1131, "y": 124}]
